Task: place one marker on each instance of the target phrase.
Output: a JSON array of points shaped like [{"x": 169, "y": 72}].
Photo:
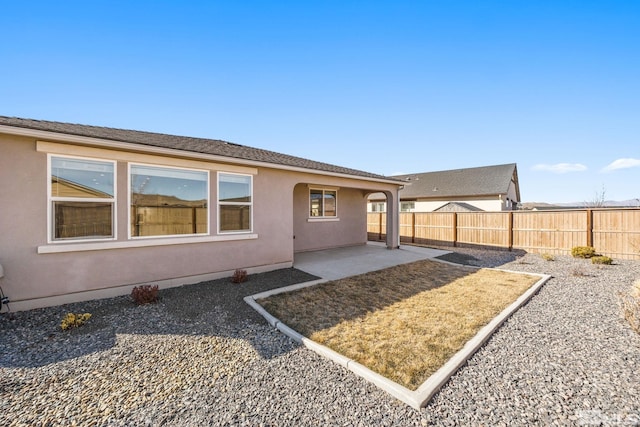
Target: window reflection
[
  {"x": 167, "y": 201},
  {"x": 82, "y": 198}
]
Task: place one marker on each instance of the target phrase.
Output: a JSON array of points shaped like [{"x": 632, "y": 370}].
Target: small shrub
[
  {"x": 601, "y": 259},
  {"x": 71, "y": 320},
  {"x": 630, "y": 304},
  {"x": 145, "y": 294},
  {"x": 582, "y": 252},
  {"x": 548, "y": 257},
  {"x": 239, "y": 276}
]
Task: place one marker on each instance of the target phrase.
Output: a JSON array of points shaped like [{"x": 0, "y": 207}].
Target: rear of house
[{"x": 90, "y": 212}]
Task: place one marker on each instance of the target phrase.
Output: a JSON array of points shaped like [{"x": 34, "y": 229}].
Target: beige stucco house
[
  {"x": 89, "y": 212},
  {"x": 485, "y": 188}
]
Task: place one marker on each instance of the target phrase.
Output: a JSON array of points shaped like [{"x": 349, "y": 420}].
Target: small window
[
  {"x": 407, "y": 206},
  {"x": 168, "y": 201},
  {"x": 323, "y": 203},
  {"x": 82, "y": 198},
  {"x": 235, "y": 203},
  {"x": 378, "y": 207}
]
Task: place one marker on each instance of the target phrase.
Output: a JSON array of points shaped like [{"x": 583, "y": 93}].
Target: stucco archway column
[{"x": 393, "y": 219}]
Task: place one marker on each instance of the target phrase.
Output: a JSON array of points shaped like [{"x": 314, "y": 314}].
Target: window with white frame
[
  {"x": 81, "y": 198},
  {"x": 378, "y": 207},
  {"x": 235, "y": 203},
  {"x": 323, "y": 203},
  {"x": 407, "y": 206},
  {"x": 168, "y": 201}
]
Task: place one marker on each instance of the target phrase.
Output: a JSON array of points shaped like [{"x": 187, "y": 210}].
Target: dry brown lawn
[{"x": 403, "y": 322}]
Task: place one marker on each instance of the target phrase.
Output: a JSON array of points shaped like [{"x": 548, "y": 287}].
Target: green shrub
[
  {"x": 630, "y": 304},
  {"x": 72, "y": 320},
  {"x": 548, "y": 257},
  {"x": 601, "y": 259},
  {"x": 583, "y": 252},
  {"x": 145, "y": 294}
]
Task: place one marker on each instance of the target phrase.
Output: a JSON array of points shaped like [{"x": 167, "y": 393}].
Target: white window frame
[
  {"x": 412, "y": 206},
  {"x": 322, "y": 217},
  {"x": 219, "y": 203},
  {"x": 51, "y": 199},
  {"x": 160, "y": 166},
  {"x": 378, "y": 207}
]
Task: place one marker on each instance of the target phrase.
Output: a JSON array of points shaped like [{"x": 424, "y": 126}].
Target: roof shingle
[
  {"x": 184, "y": 143},
  {"x": 479, "y": 181}
]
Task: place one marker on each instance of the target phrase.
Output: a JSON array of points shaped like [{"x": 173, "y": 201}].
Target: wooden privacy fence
[
  {"x": 612, "y": 232},
  {"x": 167, "y": 220}
]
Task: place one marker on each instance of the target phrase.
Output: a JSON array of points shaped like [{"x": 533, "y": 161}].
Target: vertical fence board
[
  {"x": 617, "y": 233},
  {"x": 433, "y": 228},
  {"x": 614, "y": 232},
  {"x": 553, "y": 232}
]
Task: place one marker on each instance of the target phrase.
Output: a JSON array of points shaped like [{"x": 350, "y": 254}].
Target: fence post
[
  {"x": 510, "y": 231},
  {"x": 589, "y": 227},
  {"x": 455, "y": 229},
  {"x": 413, "y": 227},
  {"x": 380, "y": 226},
  {"x": 194, "y": 220}
]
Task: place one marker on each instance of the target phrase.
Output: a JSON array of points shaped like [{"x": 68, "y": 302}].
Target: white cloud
[
  {"x": 621, "y": 164},
  {"x": 560, "y": 167}
]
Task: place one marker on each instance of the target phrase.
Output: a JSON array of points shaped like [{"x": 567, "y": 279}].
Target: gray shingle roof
[
  {"x": 480, "y": 181},
  {"x": 458, "y": 207},
  {"x": 184, "y": 143}
]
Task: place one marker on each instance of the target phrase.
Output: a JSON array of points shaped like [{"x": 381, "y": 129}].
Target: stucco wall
[
  {"x": 34, "y": 277},
  {"x": 487, "y": 204},
  {"x": 348, "y": 228},
  {"x": 23, "y": 227}
]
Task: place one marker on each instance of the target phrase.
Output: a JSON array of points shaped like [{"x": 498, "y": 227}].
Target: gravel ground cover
[{"x": 203, "y": 357}]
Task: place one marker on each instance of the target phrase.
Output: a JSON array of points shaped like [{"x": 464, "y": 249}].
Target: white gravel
[{"x": 200, "y": 357}]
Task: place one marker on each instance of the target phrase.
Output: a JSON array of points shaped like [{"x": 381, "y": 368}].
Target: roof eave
[{"x": 151, "y": 149}]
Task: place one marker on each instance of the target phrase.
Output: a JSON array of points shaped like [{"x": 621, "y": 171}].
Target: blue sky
[{"x": 386, "y": 87}]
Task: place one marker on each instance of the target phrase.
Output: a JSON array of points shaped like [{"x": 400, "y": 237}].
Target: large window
[
  {"x": 82, "y": 198},
  {"x": 168, "y": 201},
  {"x": 235, "y": 200},
  {"x": 322, "y": 203}
]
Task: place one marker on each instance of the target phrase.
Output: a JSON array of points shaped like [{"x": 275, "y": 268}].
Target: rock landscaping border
[{"x": 419, "y": 398}]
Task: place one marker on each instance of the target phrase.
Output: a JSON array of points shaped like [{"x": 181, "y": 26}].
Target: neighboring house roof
[
  {"x": 458, "y": 207},
  {"x": 184, "y": 143},
  {"x": 67, "y": 188},
  {"x": 480, "y": 181}
]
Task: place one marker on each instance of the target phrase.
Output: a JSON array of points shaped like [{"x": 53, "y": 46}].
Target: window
[
  {"x": 168, "y": 201},
  {"x": 322, "y": 203},
  {"x": 81, "y": 198},
  {"x": 407, "y": 206},
  {"x": 378, "y": 207},
  {"x": 235, "y": 196}
]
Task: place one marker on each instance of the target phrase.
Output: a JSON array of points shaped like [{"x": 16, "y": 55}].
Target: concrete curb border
[{"x": 419, "y": 398}]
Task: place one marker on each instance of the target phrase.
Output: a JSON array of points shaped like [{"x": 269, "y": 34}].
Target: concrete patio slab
[{"x": 333, "y": 264}]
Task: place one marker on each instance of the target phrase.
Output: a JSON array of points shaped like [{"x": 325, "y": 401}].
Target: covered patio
[{"x": 337, "y": 263}]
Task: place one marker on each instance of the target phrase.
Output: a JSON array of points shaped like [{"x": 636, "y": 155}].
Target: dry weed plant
[
  {"x": 630, "y": 305},
  {"x": 404, "y": 322},
  {"x": 579, "y": 272},
  {"x": 239, "y": 276}
]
